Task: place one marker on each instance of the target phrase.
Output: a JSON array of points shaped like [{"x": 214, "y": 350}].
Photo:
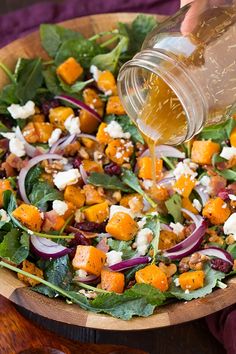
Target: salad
[{"x": 81, "y": 217}]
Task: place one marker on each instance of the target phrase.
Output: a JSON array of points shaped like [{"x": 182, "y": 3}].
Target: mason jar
[{"x": 194, "y": 53}]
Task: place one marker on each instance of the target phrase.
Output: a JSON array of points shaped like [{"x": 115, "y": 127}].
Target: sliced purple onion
[
  {"x": 87, "y": 280},
  {"x": 165, "y": 227},
  {"x": 166, "y": 151},
  {"x": 87, "y": 136},
  {"x": 202, "y": 194},
  {"x": 84, "y": 174},
  {"x": 197, "y": 219},
  {"x": 31, "y": 163},
  {"x": 79, "y": 104},
  {"x": 46, "y": 248},
  {"x": 130, "y": 263},
  {"x": 218, "y": 253},
  {"x": 62, "y": 143},
  {"x": 166, "y": 181},
  {"x": 189, "y": 245},
  {"x": 29, "y": 149}
]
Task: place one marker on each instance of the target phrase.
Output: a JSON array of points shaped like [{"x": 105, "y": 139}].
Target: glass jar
[{"x": 194, "y": 53}]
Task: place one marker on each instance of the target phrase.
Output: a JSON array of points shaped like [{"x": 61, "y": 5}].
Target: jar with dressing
[{"x": 184, "y": 77}]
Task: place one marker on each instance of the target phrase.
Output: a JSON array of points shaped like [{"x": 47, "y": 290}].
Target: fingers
[{"x": 191, "y": 19}]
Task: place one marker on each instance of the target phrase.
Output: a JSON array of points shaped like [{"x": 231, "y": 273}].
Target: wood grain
[{"x": 56, "y": 309}]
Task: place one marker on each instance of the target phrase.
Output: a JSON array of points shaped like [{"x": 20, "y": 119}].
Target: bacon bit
[
  {"x": 9, "y": 170},
  {"x": 102, "y": 245},
  {"x": 217, "y": 184},
  {"x": 86, "y": 234},
  {"x": 15, "y": 161},
  {"x": 72, "y": 149}
]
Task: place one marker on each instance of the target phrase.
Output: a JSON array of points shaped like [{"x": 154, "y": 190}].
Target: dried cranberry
[
  {"x": 79, "y": 239},
  {"x": 77, "y": 162},
  {"x": 112, "y": 169},
  {"x": 221, "y": 265},
  {"x": 72, "y": 253},
  {"x": 223, "y": 194},
  {"x": 47, "y": 105},
  {"x": 91, "y": 226}
]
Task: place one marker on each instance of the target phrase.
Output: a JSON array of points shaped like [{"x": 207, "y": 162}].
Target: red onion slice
[
  {"x": 197, "y": 219},
  {"x": 83, "y": 174},
  {"x": 166, "y": 181},
  {"x": 87, "y": 280},
  {"x": 29, "y": 149},
  {"x": 165, "y": 227},
  {"x": 202, "y": 194},
  {"x": 62, "y": 143},
  {"x": 166, "y": 151},
  {"x": 186, "y": 251},
  {"x": 218, "y": 253},
  {"x": 191, "y": 243},
  {"x": 79, "y": 104},
  {"x": 87, "y": 136},
  {"x": 47, "y": 249},
  {"x": 31, "y": 163},
  {"x": 130, "y": 263}
]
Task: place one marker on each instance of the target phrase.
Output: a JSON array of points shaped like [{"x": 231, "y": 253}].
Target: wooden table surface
[{"x": 19, "y": 335}]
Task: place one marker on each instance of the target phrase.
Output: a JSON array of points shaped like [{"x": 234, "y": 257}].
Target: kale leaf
[
  {"x": 122, "y": 246},
  {"x": 107, "y": 182},
  {"x": 15, "y": 246},
  {"x": 174, "y": 205},
  {"x": 42, "y": 193}
]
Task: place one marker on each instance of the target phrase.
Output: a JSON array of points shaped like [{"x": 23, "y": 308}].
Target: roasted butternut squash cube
[
  {"x": 32, "y": 269},
  {"x": 70, "y": 70},
  {"x": 5, "y": 185},
  {"x": 70, "y": 211},
  {"x": 216, "y": 210},
  {"x": 119, "y": 151},
  {"x": 167, "y": 240},
  {"x": 122, "y": 226},
  {"x": 107, "y": 82},
  {"x": 158, "y": 193},
  {"x": 187, "y": 204},
  {"x": 59, "y": 115},
  {"x": 91, "y": 166},
  {"x": 30, "y": 134},
  {"x": 92, "y": 196},
  {"x": 74, "y": 195},
  {"x": 152, "y": 275},
  {"x": 192, "y": 280},
  {"x": 114, "y": 106},
  {"x": 112, "y": 281},
  {"x": 44, "y": 131},
  {"x": 97, "y": 213},
  {"x": 29, "y": 216},
  {"x": 52, "y": 221},
  {"x": 91, "y": 98},
  {"x": 184, "y": 185},
  {"x": 89, "y": 259},
  {"x": 102, "y": 136},
  {"x": 145, "y": 167},
  {"x": 202, "y": 151},
  {"x": 232, "y": 138},
  {"x": 88, "y": 122}
]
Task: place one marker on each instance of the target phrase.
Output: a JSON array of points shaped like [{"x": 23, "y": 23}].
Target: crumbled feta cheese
[
  {"x": 206, "y": 182},
  {"x": 42, "y": 215},
  {"x": 115, "y": 130},
  {"x": 228, "y": 152},
  {"x": 143, "y": 240},
  {"x": 66, "y": 178},
  {"x": 108, "y": 93},
  {"x": 232, "y": 197},
  {"x": 187, "y": 291},
  {"x": 147, "y": 183},
  {"x": 176, "y": 281},
  {"x": 224, "y": 206},
  {"x": 21, "y": 112},
  {"x": 113, "y": 257},
  {"x": 59, "y": 207},
  {"x": 4, "y": 216},
  {"x": 142, "y": 222},
  {"x": 120, "y": 209},
  {"x": 95, "y": 72},
  {"x": 185, "y": 167},
  {"x": 230, "y": 226},
  {"x": 197, "y": 205},
  {"x": 17, "y": 147},
  {"x": 118, "y": 155},
  {"x": 78, "y": 215},
  {"x": 54, "y": 136},
  {"x": 72, "y": 124},
  {"x": 81, "y": 273},
  {"x": 177, "y": 228},
  {"x": 8, "y": 135}
]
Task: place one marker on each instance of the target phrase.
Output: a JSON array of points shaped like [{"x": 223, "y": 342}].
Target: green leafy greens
[{"x": 107, "y": 182}]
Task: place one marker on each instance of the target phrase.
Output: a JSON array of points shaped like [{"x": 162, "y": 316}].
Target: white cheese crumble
[
  {"x": 177, "y": 228},
  {"x": 66, "y": 178},
  {"x": 59, "y": 207},
  {"x": 17, "y": 147},
  {"x": 22, "y": 112},
  {"x": 143, "y": 240},
  {"x": 115, "y": 130},
  {"x": 230, "y": 226},
  {"x": 187, "y": 291},
  {"x": 205, "y": 181},
  {"x": 72, "y": 124},
  {"x": 4, "y": 216},
  {"x": 113, "y": 257},
  {"x": 120, "y": 209},
  {"x": 108, "y": 93},
  {"x": 228, "y": 152},
  {"x": 8, "y": 135},
  {"x": 142, "y": 222},
  {"x": 197, "y": 205},
  {"x": 95, "y": 72},
  {"x": 232, "y": 197},
  {"x": 176, "y": 281},
  {"x": 147, "y": 183},
  {"x": 185, "y": 167},
  {"x": 54, "y": 136},
  {"x": 81, "y": 273}
]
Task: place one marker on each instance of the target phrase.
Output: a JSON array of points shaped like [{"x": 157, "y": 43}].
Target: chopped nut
[
  {"x": 127, "y": 165},
  {"x": 83, "y": 153},
  {"x": 136, "y": 205},
  {"x": 72, "y": 149},
  {"x": 98, "y": 156},
  {"x": 230, "y": 240},
  {"x": 79, "y": 216},
  {"x": 117, "y": 196},
  {"x": 168, "y": 270},
  {"x": 197, "y": 261},
  {"x": 184, "y": 265},
  {"x": 88, "y": 294},
  {"x": 53, "y": 167}
]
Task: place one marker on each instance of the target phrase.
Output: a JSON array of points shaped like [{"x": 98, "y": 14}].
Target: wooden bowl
[{"x": 59, "y": 310}]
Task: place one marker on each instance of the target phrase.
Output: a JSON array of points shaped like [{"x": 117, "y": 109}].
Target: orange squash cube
[
  {"x": 112, "y": 281},
  {"x": 97, "y": 213},
  {"x": 32, "y": 269},
  {"x": 102, "y": 136},
  {"x": 59, "y": 115},
  {"x": 202, "y": 151},
  {"x": 5, "y": 185},
  {"x": 70, "y": 70},
  {"x": 232, "y": 138},
  {"x": 52, "y": 221},
  {"x": 192, "y": 280},
  {"x": 119, "y": 151},
  {"x": 89, "y": 259},
  {"x": 187, "y": 204},
  {"x": 152, "y": 275},
  {"x": 216, "y": 210},
  {"x": 92, "y": 196},
  {"x": 29, "y": 216},
  {"x": 30, "y": 134},
  {"x": 145, "y": 167},
  {"x": 74, "y": 195},
  {"x": 91, "y": 166},
  {"x": 184, "y": 185},
  {"x": 122, "y": 226},
  {"x": 44, "y": 131},
  {"x": 114, "y": 106},
  {"x": 107, "y": 82},
  {"x": 88, "y": 123},
  {"x": 167, "y": 240}
]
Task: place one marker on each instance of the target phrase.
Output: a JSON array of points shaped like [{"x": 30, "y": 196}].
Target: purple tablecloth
[{"x": 21, "y": 22}]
